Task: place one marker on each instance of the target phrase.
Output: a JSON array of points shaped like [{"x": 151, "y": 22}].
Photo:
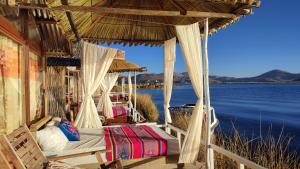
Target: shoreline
[{"x": 145, "y": 86}]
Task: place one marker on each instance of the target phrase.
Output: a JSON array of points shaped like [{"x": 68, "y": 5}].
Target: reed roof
[
  {"x": 120, "y": 65},
  {"x": 137, "y": 22}
]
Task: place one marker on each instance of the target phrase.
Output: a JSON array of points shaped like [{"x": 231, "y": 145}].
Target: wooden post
[
  {"x": 25, "y": 67},
  {"x": 134, "y": 113},
  {"x": 46, "y": 104},
  {"x": 209, "y": 152},
  {"x": 69, "y": 88}
]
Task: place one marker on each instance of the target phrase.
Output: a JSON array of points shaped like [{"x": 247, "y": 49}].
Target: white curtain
[
  {"x": 170, "y": 51},
  {"x": 129, "y": 91},
  {"x": 190, "y": 43},
  {"x": 105, "y": 103},
  {"x": 95, "y": 62}
]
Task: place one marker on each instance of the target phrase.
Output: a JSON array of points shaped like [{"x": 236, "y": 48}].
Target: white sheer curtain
[
  {"x": 129, "y": 91},
  {"x": 95, "y": 62},
  {"x": 105, "y": 103},
  {"x": 190, "y": 43},
  {"x": 170, "y": 52}
]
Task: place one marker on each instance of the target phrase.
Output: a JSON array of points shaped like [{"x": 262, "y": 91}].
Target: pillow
[
  {"x": 51, "y": 139},
  {"x": 56, "y": 120},
  {"x": 51, "y": 123},
  {"x": 69, "y": 130}
]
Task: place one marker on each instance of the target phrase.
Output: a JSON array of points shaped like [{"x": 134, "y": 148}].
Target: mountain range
[{"x": 273, "y": 76}]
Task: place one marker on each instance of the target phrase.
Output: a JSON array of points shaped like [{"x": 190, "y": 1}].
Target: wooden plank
[
  {"x": 16, "y": 133},
  {"x": 17, "y": 141},
  {"x": 3, "y": 162},
  {"x": 209, "y": 14},
  {"x": 74, "y": 155},
  {"x": 8, "y": 29},
  {"x": 144, "y": 12},
  {"x": 10, "y": 153},
  {"x": 36, "y": 126}
]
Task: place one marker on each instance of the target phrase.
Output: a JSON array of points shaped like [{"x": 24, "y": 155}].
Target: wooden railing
[
  {"x": 136, "y": 116},
  {"x": 242, "y": 162}
]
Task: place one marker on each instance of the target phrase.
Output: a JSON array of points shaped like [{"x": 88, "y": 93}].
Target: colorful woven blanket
[
  {"x": 119, "y": 111},
  {"x": 131, "y": 142}
]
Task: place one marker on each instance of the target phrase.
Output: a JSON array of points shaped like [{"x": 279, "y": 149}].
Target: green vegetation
[
  {"x": 268, "y": 151},
  {"x": 146, "y": 107}
]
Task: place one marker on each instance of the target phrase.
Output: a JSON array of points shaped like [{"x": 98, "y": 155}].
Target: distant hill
[{"x": 273, "y": 76}]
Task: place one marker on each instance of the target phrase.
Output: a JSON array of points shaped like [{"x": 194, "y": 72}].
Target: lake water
[{"x": 247, "y": 106}]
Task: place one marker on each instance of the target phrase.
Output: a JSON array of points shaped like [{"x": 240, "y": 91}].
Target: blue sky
[{"x": 268, "y": 39}]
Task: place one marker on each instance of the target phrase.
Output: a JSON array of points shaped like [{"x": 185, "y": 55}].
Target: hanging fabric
[
  {"x": 105, "y": 104},
  {"x": 169, "y": 60},
  {"x": 190, "y": 43},
  {"x": 95, "y": 62},
  {"x": 129, "y": 91}
]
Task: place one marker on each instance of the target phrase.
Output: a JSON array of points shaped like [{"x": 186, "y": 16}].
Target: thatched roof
[
  {"x": 136, "y": 22},
  {"x": 43, "y": 29},
  {"x": 118, "y": 65}
]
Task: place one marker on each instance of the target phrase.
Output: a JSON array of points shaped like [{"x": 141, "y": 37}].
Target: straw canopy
[
  {"x": 120, "y": 65},
  {"x": 136, "y": 22}
]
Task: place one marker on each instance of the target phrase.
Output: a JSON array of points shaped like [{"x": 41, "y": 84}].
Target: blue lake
[{"x": 247, "y": 106}]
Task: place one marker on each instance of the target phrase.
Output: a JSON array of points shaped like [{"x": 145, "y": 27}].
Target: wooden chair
[
  {"x": 3, "y": 162},
  {"x": 21, "y": 150}
]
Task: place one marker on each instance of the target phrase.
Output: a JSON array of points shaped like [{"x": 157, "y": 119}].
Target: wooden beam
[
  {"x": 45, "y": 21},
  {"x": 144, "y": 12},
  {"x": 209, "y": 14},
  {"x": 57, "y": 54},
  {"x": 116, "y": 41},
  {"x": 130, "y": 11},
  {"x": 71, "y": 20}
]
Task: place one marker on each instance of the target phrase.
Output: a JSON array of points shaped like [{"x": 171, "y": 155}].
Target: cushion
[
  {"x": 69, "y": 130},
  {"x": 51, "y": 139},
  {"x": 57, "y": 120},
  {"x": 51, "y": 123}
]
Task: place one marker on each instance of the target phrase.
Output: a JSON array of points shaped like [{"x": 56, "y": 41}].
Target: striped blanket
[
  {"x": 119, "y": 111},
  {"x": 131, "y": 142}
]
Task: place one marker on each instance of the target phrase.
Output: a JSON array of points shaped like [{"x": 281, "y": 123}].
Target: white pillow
[
  {"x": 51, "y": 139},
  {"x": 51, "y": 123},
  {"x": 56, "y": 120}
]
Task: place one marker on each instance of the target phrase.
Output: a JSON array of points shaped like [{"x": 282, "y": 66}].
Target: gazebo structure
[
  {"x": 71, "y": 68},
  {"x": 63, "y": 28}
]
